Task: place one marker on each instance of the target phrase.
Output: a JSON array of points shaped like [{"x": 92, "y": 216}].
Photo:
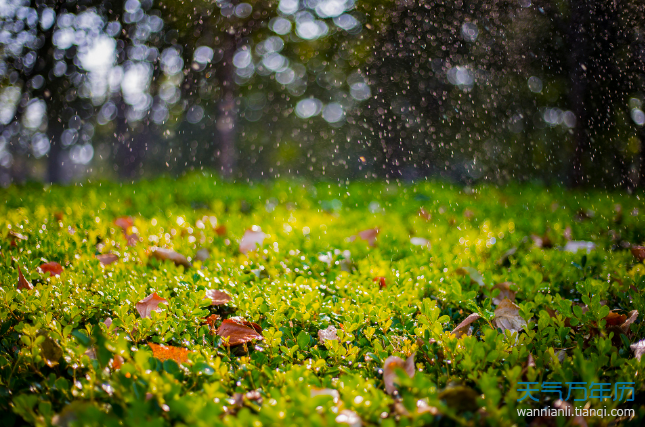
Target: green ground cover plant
[{"x": 198, "y": 302}]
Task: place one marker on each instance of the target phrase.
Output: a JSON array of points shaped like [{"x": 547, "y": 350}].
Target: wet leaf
[
  {"x": 505, "y": 292},
  {"x": 391, "y": 365},
  {"x": 217, "y": 297},
  {"x": 251, "y": 240},
  {"x": 149, "y": 304},
  {"x": 507, "y": 317},
  {"x": 22, "y": 282},
  {"x": 328, "y": 334},
  {"x": 170, "y": 255},
  {"x": 53, "y": 268},
  {"x": 51, "y": 351},
  {"x": 464, "y": 327},
  {"x": 169, "y": 352},
  {"x": 237, "y": 332},
  {"x": 107, "y": 259}
]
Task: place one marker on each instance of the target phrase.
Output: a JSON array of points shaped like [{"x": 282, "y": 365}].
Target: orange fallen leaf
[
  {"x": 251, "y": 240},
  {"x": 169, "y": 352},
  {"x": 615, "y": 319},
  {"x": 170, "y": 255},
  {"x": 217, "y": 297},
  {"x": 149, "y": 304},
  {"x": 390, "y": 367},
  {"x": 107, "y": 259},
  {"x": 220, "y": 230},
  {"x": 381, "y": 281},
  {"x": 464, "y": 326},
  {"x": 210, "y": 321},
  {"x": 638, "y": 252},
  {"x": 53, "y": 268},
  {"x": 22, "y": 282},
  {"x": 117, "y": 362},
  {"x": 237, "y": 332}
]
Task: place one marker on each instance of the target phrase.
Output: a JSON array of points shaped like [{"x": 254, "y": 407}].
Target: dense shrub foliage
[{"x": 83, "y": 347}]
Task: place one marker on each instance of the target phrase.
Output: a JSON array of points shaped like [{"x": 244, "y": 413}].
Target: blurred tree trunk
[
  {"x": 227, "y": 114},
  {"x": 578, "y": 41},
  {"x": 55, "y": 128}
]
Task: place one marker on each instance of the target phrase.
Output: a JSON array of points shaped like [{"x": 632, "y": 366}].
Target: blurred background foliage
[{"x": 493, "y": 90}]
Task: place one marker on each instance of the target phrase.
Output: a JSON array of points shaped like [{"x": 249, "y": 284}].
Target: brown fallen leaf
[
  {"x": 217, "y": 297},
  {"x": 210, "y": 321},
  {"x": 117, "y": 362},
  {"x": 14, "y": 237},
  {"x": 107, "y": 259},
  {"x": 170, "y": 255},
  {"x": 614, "y": 319},
  {"x": 507, "y": 317},
  {"x": 237, "y": 332},
  {"x": 369, "y": 236},
  {"x": 131, "y": 239},
  {"x": 638, "y": 252},
  {"x": 425, "y": 214},
  {"x": 505, "y": 292},
  {"x": 638, "y": 348},
  {"x": 328, "y": 334},
  {"x": 463, "y": 327},
  {"x": 149, "y": 304},
  {"x": 220, "y": 230},
  {"x": 391, "y": 365},
  {"x": 202, "y": 255},
  {"x": 633, "y": 315},
  {"x": 251, "y": 240},
  {"x": 53, "y": 268},
  {"x": 22, "y": 282},
  {"x": 169, "y": 352}
]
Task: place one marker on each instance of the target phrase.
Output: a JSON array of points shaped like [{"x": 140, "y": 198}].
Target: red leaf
[
  {"x": 238, "y": 332},
  {"x": 220, "y": 230},
  {"x": 53, "y": 268},
  {"x": 169, "y": 255},
  {"x": 251, "y": 240},
  {"x": 169, "y": 352},
  {"x": 22, "y": 282},
  {"x": 381, "y": 281},
  {"x": 124, "y": 222},
  {"x": 217, "y": 297},
  {"x": 149, "y": 304}
]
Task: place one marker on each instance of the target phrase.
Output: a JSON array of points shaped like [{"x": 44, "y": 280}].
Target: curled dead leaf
[
  {"x": 251, "y": 240},
  {"x": 463, "y": 327},
  {"x": 22, "y": 282},
  {"x": 391, "y": 365},
  {"x": 149, "y": 304},
  {"x": 633, "y": 315},
  {"x": 169, "y": 352},
  {"x": 210, "y": 321},
  {"x": 53, "y": 268},
  {"x": 170, "y": 255},
  {"x": 217, "y": 297},
  {"x": 238, "y": 332},
  {"x": 505, "y": 292},
  {"x": 327, "y": 334},
  {"x": 107, "y": 259},
  {"x": 507, "y": 317}
]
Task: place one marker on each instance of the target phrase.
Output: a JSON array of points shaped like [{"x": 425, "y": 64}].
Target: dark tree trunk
[
  {"x": 578, "y": 42},
  {"x": 227, "y": 113},
  {"x": 55, "y": 128}
]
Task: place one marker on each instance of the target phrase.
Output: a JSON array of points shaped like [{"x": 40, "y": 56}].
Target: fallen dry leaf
[
  {"x": 369, "y": 236},
  {"x": 463, "y": 327},
  {"x": 425, "y": 214},
  {"x": 124, "y": 223},
  {"x": 615, "y": 319},
  {"x": 210, "y": 321},
  {"x": 53, "y": 268},
  {"x": 220, "y": 230},
  {"x": 170, "y": 255},
  {"x": 237, "y": 332},
  {"x": 202, "y": 255},
  {"x": 391, "y": 365},
  {"x": 505, "y": 292},
  {"x": 217, "y": 297},
  {"x": 638, "y": 252},
  {"x": 638, "y": 348},
  {"x": 507, "y": 317},
  {"x": 633, "y": 315},
  {"x": 328, "y": 334},
  {"x": 22, "y": 282},
  {"x": 251, "y": 240},
  {"x": 169, "y": 352},
  {"x": 107, "y": 259},
  {"x": 131, "y": 239},
  {"x": 149, "y": 304}
]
